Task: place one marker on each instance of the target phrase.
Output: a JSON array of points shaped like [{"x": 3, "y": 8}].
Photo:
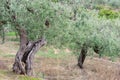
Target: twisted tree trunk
[{"x": 24, "y": 58}]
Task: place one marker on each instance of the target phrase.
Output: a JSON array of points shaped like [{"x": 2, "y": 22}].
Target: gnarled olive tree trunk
[{"x": 24, "y": 58}]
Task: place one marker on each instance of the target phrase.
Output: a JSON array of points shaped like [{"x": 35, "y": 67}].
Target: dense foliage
[
  {"x": 70, "y": 23},
  {"x": 109, "y": 14}
]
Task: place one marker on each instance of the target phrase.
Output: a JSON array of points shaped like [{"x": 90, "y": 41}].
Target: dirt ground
[
  {"x": 57, "y": 69},
  {"x": 62, "y": 68},
  {"x": 94, "y": 69}
]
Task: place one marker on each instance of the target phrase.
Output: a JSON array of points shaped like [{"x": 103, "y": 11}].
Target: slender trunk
[
  {"x": 82, "y": 56},
  {"x": 2, "y": 31},
  {"x": 3, "y": 35},
  {"x": 98, "y": 50}
]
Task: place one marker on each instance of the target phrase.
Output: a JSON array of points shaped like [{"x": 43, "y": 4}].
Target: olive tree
[
  {"x": 65, "y": 24},
  {"x": 33, "y": 20}
]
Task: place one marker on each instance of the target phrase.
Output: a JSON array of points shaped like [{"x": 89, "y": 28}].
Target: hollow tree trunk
[
  {"x": 24, "y": 58},
  {"x": 82, "y": 55}
]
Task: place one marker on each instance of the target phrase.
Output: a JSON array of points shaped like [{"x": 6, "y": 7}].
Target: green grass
[
  {"x": 51, "y": 55},
  {"x": 7, "y": 55},
  {"x": 9, "y": 75},
  {"x": 11, "y": 34},
  {"x": 28, "y": 78},
  {"x": 49, "y": 52}
]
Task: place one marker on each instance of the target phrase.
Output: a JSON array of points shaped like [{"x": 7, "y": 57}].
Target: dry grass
[
  {"x": 60, "y": 69},
  {"x": 94, "y": 69},
  {"x": 8, "y": 47}
]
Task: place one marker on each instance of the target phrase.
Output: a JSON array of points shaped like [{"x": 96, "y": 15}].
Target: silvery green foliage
[
  {"x": 34, "y": 19},
  {"x": 105, "y": 33},
  {"x": 65, "y": 28},
  {"x": 32, "y": 14}
]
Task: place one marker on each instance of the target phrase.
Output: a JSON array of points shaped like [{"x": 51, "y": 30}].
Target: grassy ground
[{"x": 55, "y": 64}]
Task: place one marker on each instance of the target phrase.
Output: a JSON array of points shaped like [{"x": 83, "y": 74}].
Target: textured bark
[
  {"x": 83, "y": 53},
  {"x": 98, "y": 50},
  {"x": 24, "y": 58},
  {"x": 2, "y": 33},
  {"x": 82, "y": 56},
  {"x": 18, "y": 64}
]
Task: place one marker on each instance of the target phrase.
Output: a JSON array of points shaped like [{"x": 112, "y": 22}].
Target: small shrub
[{"x": 109, "y": 14}]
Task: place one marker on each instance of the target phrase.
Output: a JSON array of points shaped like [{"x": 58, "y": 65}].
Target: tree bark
[
  {"x": 82, "y": 55},
  {"x": 24, "y": 58},
  {"x": 97, "y": 49},
  {"x": 2, "y": 31}
]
